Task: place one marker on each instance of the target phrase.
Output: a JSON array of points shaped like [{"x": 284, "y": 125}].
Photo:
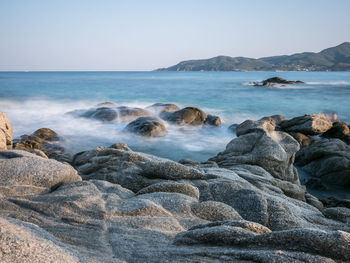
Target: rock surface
[
  {"x": 213, "y": 120},
  {"x": 6, "y": 133},
  {"x": 309, "y": 124},
  {"x": 147, "y": 126},
  {"x": 250, "y": 209},
  {"x": 159, "y": 108},
  {"x": 25, "y": 173}
]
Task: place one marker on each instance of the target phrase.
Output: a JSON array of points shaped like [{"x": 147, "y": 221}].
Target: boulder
[
  {"x": 339, "y": 130},
  {"x": 6, "y": 133},
  {"x": 105, "y": 114},
  {"x": 185, "y": 116},
  {"x": 327, "y": 160},
  {"x": 309, "y": 124},
  {"x": 45, "y": 140},
  {"x": 259, "y": 144},
  {"x": 159, "y": 108},
  {"x": 213, "y": 120},
  {"x": 147, "y": 126},
  {"x": 277, "y": 118},
  {"x": 25, "y": 173}
]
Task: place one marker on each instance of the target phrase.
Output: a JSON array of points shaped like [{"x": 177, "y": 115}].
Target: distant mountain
[{"x": 331, "y": 59}]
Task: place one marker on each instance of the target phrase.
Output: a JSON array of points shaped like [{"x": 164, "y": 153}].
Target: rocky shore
[{"x": 112, "y": 204}]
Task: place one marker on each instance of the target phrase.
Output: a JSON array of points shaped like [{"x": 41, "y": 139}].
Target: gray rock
[
  {"x": 215, "y": 211},
  {"x": 147, "y": 126},
  {"x": 328, "y": 160},
  {"x": 173, "y": 187},
  {"x": 6, "y": 132},
  {"x": 22, "y": 172},
  {"x": 338, "y": 213},
  {"x": 259, "y": 144},
  {"x": 185, "y": 116},
  {"x": 309, "y": 124},
  {"x": 329, "y": 244},
  {"x": 24, "y": 242}
]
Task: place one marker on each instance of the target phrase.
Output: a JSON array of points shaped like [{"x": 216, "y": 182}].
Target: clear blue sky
[{"x": 144, "y": 35}]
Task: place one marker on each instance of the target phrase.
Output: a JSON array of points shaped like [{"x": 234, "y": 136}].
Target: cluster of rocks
[
  {"x": 150, "y": 121},
  {"x": 115, "y": 205}
]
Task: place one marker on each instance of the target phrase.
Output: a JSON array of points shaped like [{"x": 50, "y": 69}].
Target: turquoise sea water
[{"x": 40, "y": 99}]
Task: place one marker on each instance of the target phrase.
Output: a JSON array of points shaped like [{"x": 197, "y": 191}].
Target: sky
[{"x": 145, "y": 35}]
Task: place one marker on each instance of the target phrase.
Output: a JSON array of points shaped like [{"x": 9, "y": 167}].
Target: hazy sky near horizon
[{"x": 149, "y": 34}]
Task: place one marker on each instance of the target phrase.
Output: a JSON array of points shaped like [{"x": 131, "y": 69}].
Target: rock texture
[
  {"x": 147, "y": 126},
  {"x": 6, "y": 133},
  {"x": 213, "y": 120},
  {"x": 25, "y": 173},
  {"x": 309, "y": 124}
]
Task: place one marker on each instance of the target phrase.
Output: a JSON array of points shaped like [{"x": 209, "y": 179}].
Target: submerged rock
[
  {"x": 309, "y": 124},
  {"x": 6, "y": 133},
  {"x": 147, "y": 126},
  {"x": 159, "y": 108},
  {"x": 213, "y": 120}
]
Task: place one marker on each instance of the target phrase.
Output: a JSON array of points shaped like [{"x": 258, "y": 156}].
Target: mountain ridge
[{"x": 330, "y": 59}]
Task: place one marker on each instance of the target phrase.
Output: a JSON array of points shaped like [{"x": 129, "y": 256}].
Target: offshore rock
[{"x": 147, "y": 126}]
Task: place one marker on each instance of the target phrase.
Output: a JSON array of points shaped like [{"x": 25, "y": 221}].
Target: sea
[{"x": 34, "y": 100}]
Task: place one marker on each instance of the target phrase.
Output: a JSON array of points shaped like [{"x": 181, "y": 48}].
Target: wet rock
[
  {"x": 276, "y": 80},
  {"x": 174, "y": 187},
  {"x": 6, "y": 132},
  {"x": 309, "y": 124},
  {"x": 147, "y": 126},
  {"x": 45, "y": 140},
  {"x": 22, "y": 173},
  {"x": 159, "y": 108},
  {"x": 302, "y": 139},
  {"x": 213, "y": 120},
  {"x": 328, "y": 160},
  {"x": 112, "y": 114},
  {"x": 186, "y": 116}
]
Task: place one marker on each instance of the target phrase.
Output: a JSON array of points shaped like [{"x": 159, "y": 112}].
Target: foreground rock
[
  {"x": 25, "y": 173},
  {"x": 276, "y": 80},
  {"x": 339, "y": 130},
  {"x": 24, "y": 242},
  {"x": 328, "y": 161},
  {"x": 309, "y": 124},
  {"x": 6, "y": 133},
  {"x": 147, "y": 126}
]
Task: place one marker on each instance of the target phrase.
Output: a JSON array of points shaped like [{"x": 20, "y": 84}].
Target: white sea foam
[
  {"x": 333, "y": 83},
  {"x": 83, "y": 134}
]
